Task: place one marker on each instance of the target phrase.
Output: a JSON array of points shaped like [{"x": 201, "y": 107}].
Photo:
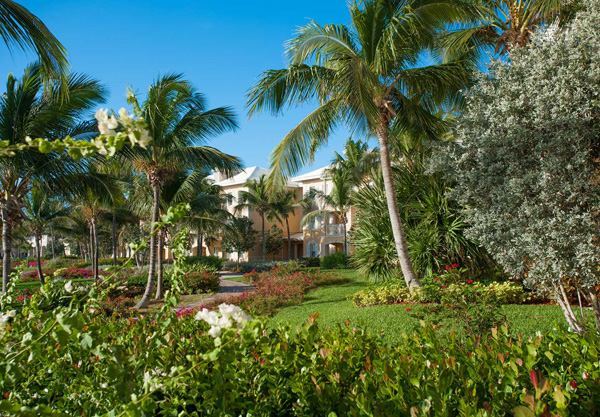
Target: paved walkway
[{"x": 228, "y": 289}]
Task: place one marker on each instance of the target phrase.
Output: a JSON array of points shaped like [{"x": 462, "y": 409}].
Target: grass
[
  {"x": 393, "y": 320},
  {"x": 32, "y": 285}
]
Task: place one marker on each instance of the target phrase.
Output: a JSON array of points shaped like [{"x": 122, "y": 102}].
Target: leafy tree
[
  {"x": 179, "y": 124},
  {"x": 357, "y": 159},
  {"x": 257, "y": 197},
  {"x": 240, "y": 237},
  {"x": 40, "y": 211},
  {"x": 27, "y": 112},
  {"x": 19, "y": 27},
  {"x": 366, "y": 76},
  {"x": 274, "y": 240},
  {"x": 528, "y": 164}
]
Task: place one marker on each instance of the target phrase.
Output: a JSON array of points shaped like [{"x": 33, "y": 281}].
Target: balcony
[{"x": 334, "y": 230}]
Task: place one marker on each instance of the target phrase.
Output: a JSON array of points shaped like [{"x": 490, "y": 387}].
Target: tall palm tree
[
  {"x": 337, "y": 202},
  {"x": 283, "y": 206},
  {"x": 257, "y": 197},
  {"x": 179, "y": 124},
  {"x": 26, "y": 111},
  {"x": 19, "y": 27},
  {"x": 499, "y": 25},
  {"x": 367, "y": 76},
  {"x": 40, "y": 211}
]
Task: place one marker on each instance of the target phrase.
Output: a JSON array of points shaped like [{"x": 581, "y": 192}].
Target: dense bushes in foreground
[{"x": 83, "y": 363}]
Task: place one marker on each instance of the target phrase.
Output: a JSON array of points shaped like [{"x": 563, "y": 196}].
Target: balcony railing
[{"x": 334, "y": 230}]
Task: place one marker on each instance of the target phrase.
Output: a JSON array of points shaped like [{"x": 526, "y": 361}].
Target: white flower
[
  {"x": 215, "y": 331},
  {"x": 12, "y": 313},
  {"x": 69, "y": 287},
  {"x": 227, "y": 310},
  {"x": 125, "y": 118},
  {"x": 224, "y": 323},
  {"x": 106, "y": 125}
]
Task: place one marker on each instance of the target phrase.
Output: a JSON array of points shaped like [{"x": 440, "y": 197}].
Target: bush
[
  {"x": 200, "y": 282},
  {"x": 210, "y": 262},
  {"x": 116, "y": 305},
  {"x": 338, "y": 260},
  {"x": 245, "y": 267},
  {"x": 282, "y": 286},
  {"x": 286, "y": 371},
  {"x": 82, "y": 264},
  {"x": 311, "y": 261}
]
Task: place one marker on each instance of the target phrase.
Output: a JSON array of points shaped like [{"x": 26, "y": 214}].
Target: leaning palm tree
[
  {"x": 366, "y": 76},
  {"x": 337, "y": 202},
  {"x": 19, "y": 27},
  {"x": 179, "y": 124},
  {"x": 27, "y": 111},
  {"x": 257, "y": 197},
  {"x": 40, "y": 211}
]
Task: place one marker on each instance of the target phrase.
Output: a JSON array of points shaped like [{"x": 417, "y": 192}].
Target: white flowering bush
[
  {"x": 528, "y": 161},
  {"x": 229, "y": 316}
]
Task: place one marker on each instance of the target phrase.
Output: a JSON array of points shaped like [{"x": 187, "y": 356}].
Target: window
[{"x": 313, "y": 250}]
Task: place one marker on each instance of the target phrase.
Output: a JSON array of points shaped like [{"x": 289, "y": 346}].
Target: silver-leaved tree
[{"x": 528, "y": 163}]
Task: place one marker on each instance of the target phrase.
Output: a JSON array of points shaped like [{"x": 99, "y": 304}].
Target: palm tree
[
  {"x": 40, "y": 211},
  {"x": 357, "y": 159},
  {"x": 258, "y": 197},
  {"x": 366, "y": 76},
  {"x": 26, "y": 111},
  {"x": 179, "y": 123},
  {"x": 499, "y": 25},
  {"x": 180, "y": 187},
  {"x": 285, "y": 204},
  {"x": 337, "y": 202},
  {"x": 19, "y": 27}
]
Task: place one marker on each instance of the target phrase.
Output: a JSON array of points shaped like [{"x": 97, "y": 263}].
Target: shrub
[
  {"x": 211, "y": 262},
  {"x": 245, "y": 267},
  {"x": 338, "y": 260},
  {"x": 116, "y": 305},
  {"x": 282, "y": 286},
  {"x": 82, "y": 264},
  {"x": 200, "y": 282},
  {"x": 311, "y": 261}
]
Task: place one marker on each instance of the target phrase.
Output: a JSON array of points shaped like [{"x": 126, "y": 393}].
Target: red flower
[
  {"x": 408, "y": 309},
  {"x": 470, "y": 281},
  {"x": 573, "y": 384}
]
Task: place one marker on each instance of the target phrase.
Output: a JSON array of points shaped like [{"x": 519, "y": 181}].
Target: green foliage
[
  {"x": 311, "y": 261},
  {"x": 208, "y": 262},
  {"x": 198, "y": 282},
  {"x": 241, "y": 237},
  {"x": 527, "y": 165},
  {"x": 274, "y": 241},
  {"x": 338, "y": 260}
]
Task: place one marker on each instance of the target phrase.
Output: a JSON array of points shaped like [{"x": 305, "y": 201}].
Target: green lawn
[
  {"x": 36, "y": 284},
  {"x": 393, "y": 320}
]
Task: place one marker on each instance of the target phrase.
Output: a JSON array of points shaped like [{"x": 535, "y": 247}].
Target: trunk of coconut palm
[
  {"x": 143, "y": 303},
  {"x": 264, "y": 241},
  {"x": 392, "y": 202},
  {"x": 160, "y": 270},
  {"x": 38, "y": 255},
  {"x": 345, "y": 239},
  {"x": 6, "y": 248},
  {"x": 114, "y": 238},
  {"x": 52, "y": 241},
  {"x": 199, "y": 245},
  {"x": 91, "y": 245},
  {"x": 95, "y": 249},
  {"x": 287, "y": 225}
]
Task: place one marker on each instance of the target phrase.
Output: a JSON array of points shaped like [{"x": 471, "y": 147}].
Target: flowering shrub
[
  {"x": 282, "y": 286},
  {"x": 229, "y": 316},
  {"x": 200, "y": 282},
  {"x": 116, "y": 305},
  {"x": 62, "y": 273}
]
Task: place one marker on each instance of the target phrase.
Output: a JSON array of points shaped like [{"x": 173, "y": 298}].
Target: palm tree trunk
[
  {"x": 6, "y": 247},
  {"x": 95, "y": 254},
  {"x": 52, "y": 241},
  {"x": 264, "y": 241},
  {"x": 199, "y": 245},
  {"x": 143, "y": 303},
  {"x": 38, "y": 255},
  {"x": 114, "y": 238},
  {"x": 159, "y": 273},
  {"x": 91, "y": 251},
  {"x": 392, "y": 202},
  {"x": 345, "y": 239},
  {"x": 287, "y": 224}
]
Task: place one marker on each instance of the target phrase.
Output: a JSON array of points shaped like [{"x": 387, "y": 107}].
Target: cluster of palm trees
[
  {"x": 135, "y": 186},
  {"x": 397, "y": 70}
]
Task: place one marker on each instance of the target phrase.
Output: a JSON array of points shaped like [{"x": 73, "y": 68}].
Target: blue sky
[{"x": 221, "y": 46}]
